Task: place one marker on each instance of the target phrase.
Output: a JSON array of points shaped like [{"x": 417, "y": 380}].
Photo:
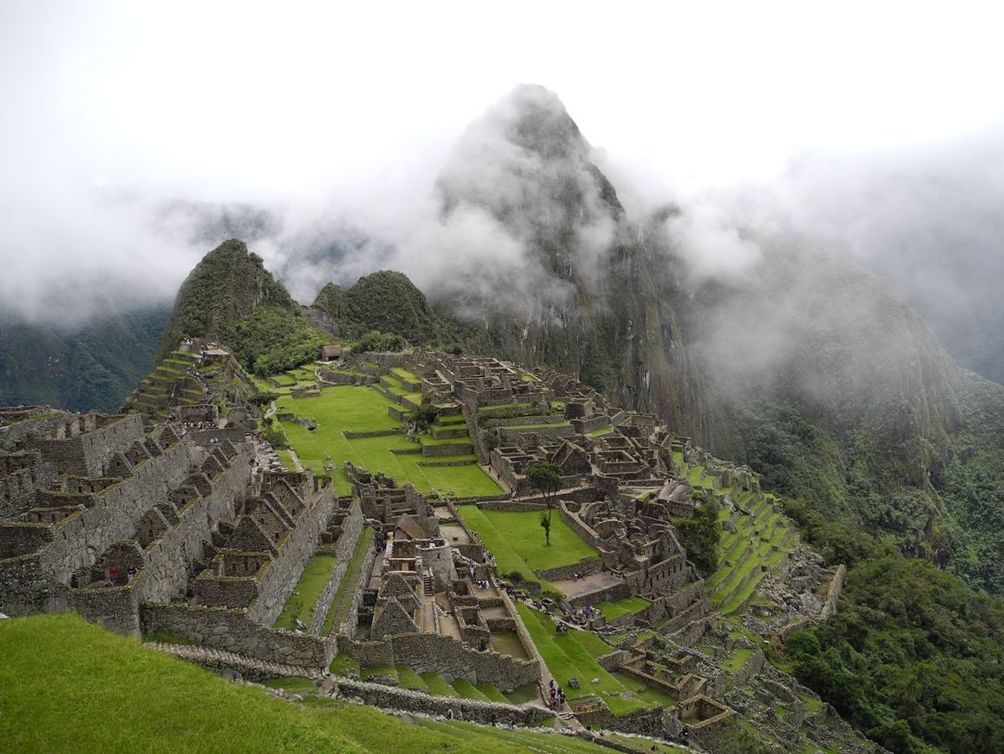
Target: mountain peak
[
  {"x": 222, "y": 289},
  {"x": 535, "y": 118}
]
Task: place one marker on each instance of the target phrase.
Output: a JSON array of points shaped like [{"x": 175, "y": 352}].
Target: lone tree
[{"x": 546, "y": 478}]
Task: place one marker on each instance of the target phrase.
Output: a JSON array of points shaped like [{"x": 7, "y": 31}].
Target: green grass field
[
  {"x": 68, "y": 686},
  {"x": 516, "y": 539},
  {"x": 302, "y": 601},
  {"x": 625, "y": 606},
  {"x": 362, "y": 409},
  {"x": 286, "y": 459},
  {"x": 573, "y": 654}
]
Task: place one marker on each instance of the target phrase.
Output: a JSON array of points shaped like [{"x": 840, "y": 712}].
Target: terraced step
[
  {"x": 436, "y": 685},
  {"x": 739, "y": 599},
  {"x": 467, "y": 690},
  {"x": 447, "y": 432}
]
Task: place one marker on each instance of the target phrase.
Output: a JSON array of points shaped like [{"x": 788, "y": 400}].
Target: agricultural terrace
[
  {"x": 353, "y": 408},
  {"x": 759, "y": 543},
  {"x": 575, "y": 654},
  {"x": 516, "y": 539}
]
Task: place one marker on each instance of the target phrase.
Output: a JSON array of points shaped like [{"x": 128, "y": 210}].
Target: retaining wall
[
  {"x": 433, "y": 653},
  {"x": 488, "y": 713},
  {"x": 234, "y": 631}
]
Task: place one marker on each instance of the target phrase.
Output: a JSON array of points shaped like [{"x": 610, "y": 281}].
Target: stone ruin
[
  {"x": 423, "y": 589},
  {"x": 156, "y": 529},
  {"x": 101, "y": 514}
]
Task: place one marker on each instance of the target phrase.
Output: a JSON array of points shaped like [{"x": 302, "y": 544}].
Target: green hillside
[
  {"x": 67, "y": 686},
  {"x": 93, "y": 366}
]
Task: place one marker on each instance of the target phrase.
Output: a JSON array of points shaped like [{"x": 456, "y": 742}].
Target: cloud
[
  {"x": 709, "y": 244},
  {"x": 330, "y": 127}
]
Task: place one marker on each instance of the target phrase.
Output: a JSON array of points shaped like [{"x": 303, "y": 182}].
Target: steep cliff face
[
  {"x": 802, "y": 365},
  {"x": 816, "y": 333},
  {"x": 224, "y": 288},
  {"x": 570, "y": 283}
]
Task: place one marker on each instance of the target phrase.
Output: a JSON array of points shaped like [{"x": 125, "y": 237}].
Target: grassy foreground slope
[{"x": 66, "y": 685}]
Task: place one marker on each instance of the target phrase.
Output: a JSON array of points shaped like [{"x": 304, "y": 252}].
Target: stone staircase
[{"x": 218, "y": 658}]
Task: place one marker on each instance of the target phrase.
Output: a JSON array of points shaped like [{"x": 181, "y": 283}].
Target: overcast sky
[{"x": 354, "y": 106}]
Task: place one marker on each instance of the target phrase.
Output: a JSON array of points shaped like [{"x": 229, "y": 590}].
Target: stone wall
[
  {"x": 366, "y": 653},
  {"x": 227, "y": 591},
  {"x": 607, "y": 594},
  {"x": 336, "y": 377},
  {"x": 352, "y": 528},
  {"x": 593, "y": 423},
  {"x": 508, "y": 504},
  {"x": 279, "y": 579},
  {"x": 656, "y": 722},
  {"x": 434, "y": 653},
  {"x": 24, "y": 590},
  {"x": 114, "y": 608},
  {"x": 488, "y": 713},
  {"x": 234, "y": 631},
  {"x": 39, "y": 582},
  {"x": 585, "y": 567},
  {"x": 509, "y": 435},
  {"x": 580, "y": 527},
  {"x": 22, "y": 473},
  {"x": 359, "y": 588},
  {"x": 165, "y": 573},
  {"x": 447, "y": 450},
  {"x": 523, "y": 634},
  {"x": 87, "y": 454}
]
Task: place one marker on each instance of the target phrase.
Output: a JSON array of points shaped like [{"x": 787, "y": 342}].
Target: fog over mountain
[{"x": 144, "y": 138}]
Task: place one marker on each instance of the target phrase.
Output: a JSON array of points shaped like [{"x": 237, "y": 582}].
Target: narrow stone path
[{"x": 200, "y": 654}]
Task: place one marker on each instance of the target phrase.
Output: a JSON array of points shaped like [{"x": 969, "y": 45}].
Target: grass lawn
[
  {"x": 437, "y": 685},
  {"x": 516, "y": 539},
  {"x": 573, "y": 654},
  {"x": 286, "y": 459},
  {"x": 409, "y": 679},
  {"x": 66, "y": 685},
  {"x": 351, "y": 408},
  {"x": 617, "y": 608},
  {"x": 467, "y": 690},
  {"x": 737, "y": 660},
  {"x": 344, "y": 665},
  {"x": 302, "y": 601}
]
